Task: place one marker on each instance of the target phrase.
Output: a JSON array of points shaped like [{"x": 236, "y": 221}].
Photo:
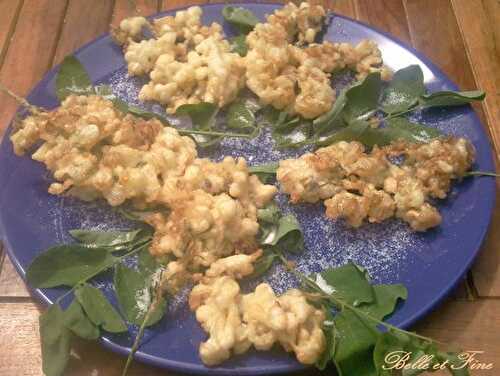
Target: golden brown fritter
[{"x": 360, "y": 186}]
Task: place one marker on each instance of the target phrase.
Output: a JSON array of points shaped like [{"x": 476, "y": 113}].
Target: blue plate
[{"x": 429, "y": 264}]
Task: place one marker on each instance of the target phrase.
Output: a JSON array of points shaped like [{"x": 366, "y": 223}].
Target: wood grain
[
  {"x": 19, "y": 328},
  {"x": 172, "y": 4},
  {"x": 342, "y": 7},
  {"x": 387, "y": 15},
  {"x": 441, "y": 41},
  {"x": 460, "y": 36},
  {"x": 486, "y": 270},
  {"x": 84, "y": 21},
  {"x": 30, "y": 51},
  {"x": 11, "y": 284},
  {"x": 123, "y": 9},
  {"x": 482, "y": 41},
  {"x": 468, "y": 326},
  {"x": 465, "y": 323},
  {"x": 8, "y": 20}
]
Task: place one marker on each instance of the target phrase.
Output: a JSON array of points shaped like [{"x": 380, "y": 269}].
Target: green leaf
[
  {"x": 66, "y": 265},
  {"x": 415, "y": 355},
  {"x": 348, "y": 283},
  {"x": 125, "y": 108},
  {"x": 404, "y": 90},
  {"x": 55, "y": 341},
  {"x": 333, "y": 118},
  {"x": 281, "y": 231},
  {"x": 265, "y": 172},
  {"x": 286, "y": 234},
  {"x": 379, "y": 136},
  {"x": 363, "y": 97},
  {"x": 386, "y": 297},
  {"x": 95, "y": 238},
  {"x": 288, "y": 131},
  {"x": 72, "y": 78},
  {"x": 263, "y": 264},
  {"x": 386, "y": 344},
  {"x": 239, "y": 116},
  {"x": 135, "y": 292},
  {"x": 99, "y": 310},
  {"x": 202, "y": 117},
  {"x": 397, "y": 128},
  {"x": 355, "y": 341},
  {"x": 456, "y": 366},
  {"x": 402, "y": 128},
  {"x": 289, "y": 234},
  {"x": 274, "y": 117},
  {"x": 285, "y": 126},
  {"x": 270, "y": 214},
  {"x": 239, "y": 44},
  {"x": 202, "y": 114},
  {"x": 266, "y": 168},
  {"x": 329, "y": 331},
  {"x": 243, "y": 19},
  {"x": 76, "y": 321},
  {"x": 104, "y": 91},
  {"x": 450, "y": 98},
  {"x": 147, "y": 263},
  {"x": 293, "y": 133},
  {"x": 353, "y": 132}
]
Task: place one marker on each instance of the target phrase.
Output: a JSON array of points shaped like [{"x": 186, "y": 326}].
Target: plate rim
[{"x": 190, "y": 368}]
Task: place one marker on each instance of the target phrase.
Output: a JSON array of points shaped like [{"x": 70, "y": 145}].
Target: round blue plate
[{"x": 429, "y": 264}]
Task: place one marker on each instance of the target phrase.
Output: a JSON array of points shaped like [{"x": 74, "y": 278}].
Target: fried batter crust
[{"x": 359, "y": 186}]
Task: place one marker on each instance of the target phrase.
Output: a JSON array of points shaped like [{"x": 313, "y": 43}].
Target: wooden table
[{"x": 461, "y": 36}]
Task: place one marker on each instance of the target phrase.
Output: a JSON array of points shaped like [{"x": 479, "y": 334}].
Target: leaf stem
[
  {"x": 140, "y": 333},
  {"x": 340, "y": 303},
  {"x": 20, "y": 100},
  {"x": 117, "y": 259},
  {"x": 396, "y": 114},
  {"x": 482, "y": 173},
  {"x": 213, "y": 133}
]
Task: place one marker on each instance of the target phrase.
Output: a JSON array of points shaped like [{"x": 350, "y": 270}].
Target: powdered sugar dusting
[{"x": 381, "y": 248}]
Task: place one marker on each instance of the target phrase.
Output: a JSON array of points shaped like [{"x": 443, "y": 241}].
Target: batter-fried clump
[
  {"x": 288, "y": 76},
  {"x": 187, "y": 62},
  {"x": 236, "y": 321},
  {"x": 213, "y": 213},
  {"x": 190, "y": 63},
  {"x": 359, "y": 186},
  {"x": 95, "y": 151}
]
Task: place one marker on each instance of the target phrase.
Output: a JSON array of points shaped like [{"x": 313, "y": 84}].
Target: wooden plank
[
  {"x": 471, "y": 326},
  {"x": 440, "y": 41},
  {"x": 124, "y": 8},
  {"x": 8, "y": 20},
  {"x": 31, "y": 50},
  {"x": 84, "y": 21},
  {"x": 486, "y": 270},
  {"x": 342, "y": 7},
  {"x": 173, "y": 4},
  {"x": 20, "y": 344},
  {"x": 482, "y": 41},
  {"x": 11, "y": 284},
  {"x": 387, "y": 15}
]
